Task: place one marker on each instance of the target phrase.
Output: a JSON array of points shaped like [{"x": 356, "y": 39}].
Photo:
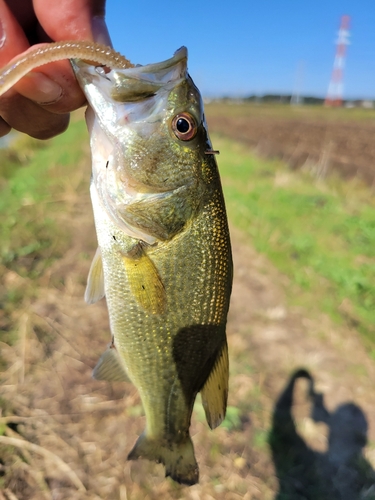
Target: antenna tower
[{"x": 335, "y": 88}]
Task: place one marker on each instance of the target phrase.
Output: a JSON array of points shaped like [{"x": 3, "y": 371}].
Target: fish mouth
[
  {"x": 160, "y": 72},
  {"x": 132, "y": 84}
]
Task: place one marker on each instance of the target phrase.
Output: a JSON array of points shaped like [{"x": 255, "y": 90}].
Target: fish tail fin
[{"x": 178, "y": 457}]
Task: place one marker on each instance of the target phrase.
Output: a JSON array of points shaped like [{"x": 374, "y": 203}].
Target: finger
[
  {"x": 68, "y": 20},
  {"x": 4, "y": 128},
  {"x": 52, "y": 86},
  {"x": 13, "y": 37},
  {"x": 31, "y": 118},
  {"x": 73, "y": 19},
  {"x": 37, "y": 87},
  {"x": 23, "y": 11}
]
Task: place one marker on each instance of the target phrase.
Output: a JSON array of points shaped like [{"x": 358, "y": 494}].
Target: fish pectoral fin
[
  {"x": 215, "y": 390},
  {"x": 177, "y": 456},
  {"x": 146, "y": 283},
  {"x": 110, "y": 367},
  {"x": 95, "y": 280},
  {"x": 162, "y": 215}
]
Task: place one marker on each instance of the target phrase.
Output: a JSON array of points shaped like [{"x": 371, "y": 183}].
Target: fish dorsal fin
[
  {"x": 215, "y": 391},
  {"x": 110, "y": 367},
  {"x": 145, "y": 282},
  {"x": 95, "y": 280}
]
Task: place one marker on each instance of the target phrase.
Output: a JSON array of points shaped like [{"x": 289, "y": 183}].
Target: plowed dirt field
[{"x": 341, "y": 140}]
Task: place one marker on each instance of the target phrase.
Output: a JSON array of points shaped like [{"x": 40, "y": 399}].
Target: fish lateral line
[{"x": 91, "y": 52}]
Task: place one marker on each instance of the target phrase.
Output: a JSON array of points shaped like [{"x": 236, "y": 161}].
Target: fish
[{"x": 164, "y": 261}]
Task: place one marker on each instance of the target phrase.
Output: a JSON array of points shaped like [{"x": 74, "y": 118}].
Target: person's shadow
[{"x": 342, "y": 472}]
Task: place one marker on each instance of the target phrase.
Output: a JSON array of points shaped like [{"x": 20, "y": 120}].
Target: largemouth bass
[{"x": 164, "y": 257}]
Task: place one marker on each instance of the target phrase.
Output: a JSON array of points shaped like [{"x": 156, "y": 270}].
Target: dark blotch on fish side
[{"x": 195, "y": 349}]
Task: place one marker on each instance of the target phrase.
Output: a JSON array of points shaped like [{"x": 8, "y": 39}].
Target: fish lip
[
  {"x": 180, "y": 55},
  {"x": 152, "y": 72}
]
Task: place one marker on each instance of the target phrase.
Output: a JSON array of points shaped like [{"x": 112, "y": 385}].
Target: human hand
[{"x": 40, "y": 103}]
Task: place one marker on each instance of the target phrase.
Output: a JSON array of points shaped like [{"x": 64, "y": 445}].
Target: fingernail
[
  {"x": 2, "y": 35},
  {"x": 100, "y": 31},
  {"x": 39, "y": 88}
]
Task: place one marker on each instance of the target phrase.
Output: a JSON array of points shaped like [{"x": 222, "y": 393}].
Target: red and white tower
[{"x": 335, "y": 88}]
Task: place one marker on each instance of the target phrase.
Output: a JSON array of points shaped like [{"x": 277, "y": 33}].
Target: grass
[
  {"x": 320, "y": 234},
  {"x": 34, "y": 178},
  {"x": 30, "y": 195}
]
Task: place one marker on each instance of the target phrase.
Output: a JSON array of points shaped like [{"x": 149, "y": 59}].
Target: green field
[
  {"x": 36, "y": 180},
  {"x": 321, "y": 234}
]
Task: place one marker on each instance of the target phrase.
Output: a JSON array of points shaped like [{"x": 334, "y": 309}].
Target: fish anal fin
[
  {"x": 145, "y": 283},
  {"x": 178, "y": 457},
  {"x": 110, "y": 367},
  {"x": 214, "y": 393},
  {"x": 95, "y": 280}
]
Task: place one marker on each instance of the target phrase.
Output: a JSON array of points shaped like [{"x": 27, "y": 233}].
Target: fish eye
[{"x": 184, "y": 126}]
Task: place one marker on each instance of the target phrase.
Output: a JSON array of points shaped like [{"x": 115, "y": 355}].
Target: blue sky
[{"x": 244, "y": 47}]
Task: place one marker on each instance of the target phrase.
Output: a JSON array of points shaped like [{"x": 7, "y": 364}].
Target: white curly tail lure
[{"x": 89, "y": 51}]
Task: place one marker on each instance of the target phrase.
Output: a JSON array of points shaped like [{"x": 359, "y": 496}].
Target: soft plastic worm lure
[{"x": 91, "y": 52}]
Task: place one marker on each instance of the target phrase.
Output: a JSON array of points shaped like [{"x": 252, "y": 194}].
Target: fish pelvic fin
[
  {"x": 215, "y": 390},
  {"x": 178, "y": 457},
  {"x": 95, "y": 280},
  {"x": 110, "y": 367}
]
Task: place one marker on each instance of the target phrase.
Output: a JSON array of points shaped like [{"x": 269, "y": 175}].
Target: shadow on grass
[{"x": 342, "y": 472}]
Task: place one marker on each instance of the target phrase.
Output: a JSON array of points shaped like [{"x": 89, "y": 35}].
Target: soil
[
  {"x": 299, "y": 434},
  {"x": 346, "y": 147}
]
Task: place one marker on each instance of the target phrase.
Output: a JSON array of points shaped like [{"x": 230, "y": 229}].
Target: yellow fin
[
  {"x": 95, "y": 280},
  {"x": 110, "y": 367},
  {"x": 145, "y": 283},
  {"x": 215, "y": 391}
]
